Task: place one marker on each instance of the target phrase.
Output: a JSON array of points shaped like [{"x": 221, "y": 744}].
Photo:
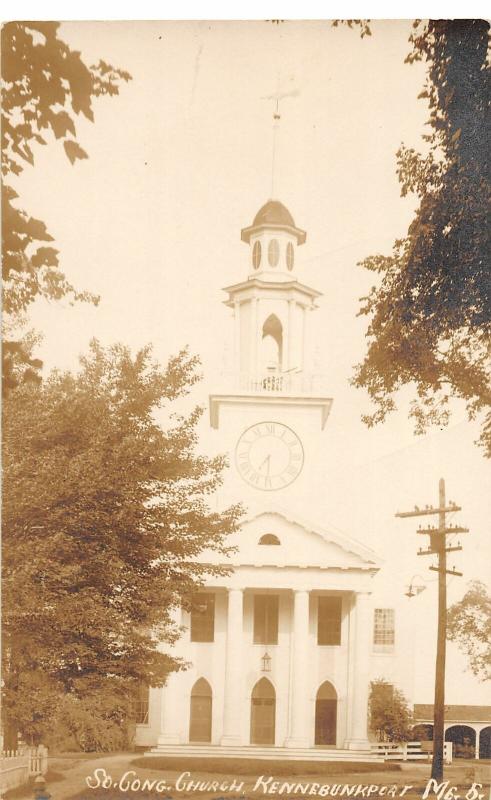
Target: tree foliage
[
  {"x": 469, "y": 625},
  {"x": 106, "y": 518},
  {"x": 362, "y": 24},
  {"x": 45, "y": 87},
  {"x": 389, "y": 715},
  {"x": 430, "y": 312}
]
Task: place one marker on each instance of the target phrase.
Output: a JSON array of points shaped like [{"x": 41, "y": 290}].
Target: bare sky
[{"x": 151, "y": 221}]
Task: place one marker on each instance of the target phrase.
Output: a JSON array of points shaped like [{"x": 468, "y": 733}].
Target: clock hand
[{"x": 266, "y": 460}]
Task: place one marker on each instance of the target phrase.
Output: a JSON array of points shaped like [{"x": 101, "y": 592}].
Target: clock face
[{"x": 269, "y": 456}]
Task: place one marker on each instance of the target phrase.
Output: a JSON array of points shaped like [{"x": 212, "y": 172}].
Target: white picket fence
[
  {"x": 17, "y": 766},
  {"x": 410, "y": 751}
]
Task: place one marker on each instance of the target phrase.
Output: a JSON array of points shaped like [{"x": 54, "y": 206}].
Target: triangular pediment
[{"x": 274, "y": 537}]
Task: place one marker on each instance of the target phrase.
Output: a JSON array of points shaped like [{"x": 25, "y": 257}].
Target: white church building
[{"x": 283, "y": 649}]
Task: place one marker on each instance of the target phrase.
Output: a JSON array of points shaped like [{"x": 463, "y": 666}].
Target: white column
[
  {"x": 168, "y": 712},
  {"x": 358, "y": 733},
  {"x": 299, "y": 703},
  {"x": 289, "y": 343},
  {"x": 233, "y": 667},
  {"x": 254, "y": 337},
  {"x": 478, "y": 737},
  {"x": 169, "y": 697},
  {"x": 237, "y": 365}
]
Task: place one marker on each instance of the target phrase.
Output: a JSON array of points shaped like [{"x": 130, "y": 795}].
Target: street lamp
[{"x": 414, "y": 589}]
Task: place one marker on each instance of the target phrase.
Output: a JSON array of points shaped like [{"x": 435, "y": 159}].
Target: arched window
[
  {"x": 290, "y": 256},
  {"x": 272, "y": 343},
  {"x": 273, "y": 252},
  {"x": 200, "y": 712},
  {"x": 269, "y": 538},
  {"x": 326, "y": 710},
  {"x": 263, "y": 712},
  {"x": 256, "y": 255}
]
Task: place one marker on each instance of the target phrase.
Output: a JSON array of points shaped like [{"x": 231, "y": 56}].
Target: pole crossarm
[
  {"x": 446, "y": 571},
  {"x": 454, "y": 529},
  {"x": 421, "y": 512},
  {"x": 430, "y": 552},
  {"x": 447, "y": 531}
]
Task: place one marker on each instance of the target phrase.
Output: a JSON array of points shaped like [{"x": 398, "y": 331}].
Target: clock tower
[
  {"x": 271, "y": 407},
  {"x": 277, "y": 646}
]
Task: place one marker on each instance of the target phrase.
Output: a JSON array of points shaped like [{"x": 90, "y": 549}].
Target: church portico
[{"x": 278, "y": 668}]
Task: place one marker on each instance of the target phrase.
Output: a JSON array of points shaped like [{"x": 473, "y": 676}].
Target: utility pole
[{"x": 438, "y": 546}]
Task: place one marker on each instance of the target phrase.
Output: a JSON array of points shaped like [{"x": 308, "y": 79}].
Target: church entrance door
[
  {"x": 263, "y": 713},
  {"x": 200, "y": 712},
  {"x": 326, "y": 710}
]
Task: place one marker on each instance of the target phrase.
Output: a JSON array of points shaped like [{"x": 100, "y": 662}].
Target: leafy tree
[
  {"x": 430, "y": 311},
  {"x": 469, "y": 624},
  {"x": 45, "y": 87},
  {"x": 389, "y": 715},
  {"x": 106, "y": 519}
]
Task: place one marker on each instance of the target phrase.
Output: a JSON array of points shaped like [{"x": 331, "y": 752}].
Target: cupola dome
[{"x": 273, "y": 215}]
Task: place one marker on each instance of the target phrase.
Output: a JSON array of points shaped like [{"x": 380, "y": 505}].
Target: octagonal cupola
[{"x": 273, "y": 239}]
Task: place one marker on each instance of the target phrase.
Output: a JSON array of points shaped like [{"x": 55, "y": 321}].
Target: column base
[
  {"x": 357, "y": 744},
  {"x": 297, "y": 741},
  {"x": 168, "y": 738},
  {"x": 231, "y": 740}
]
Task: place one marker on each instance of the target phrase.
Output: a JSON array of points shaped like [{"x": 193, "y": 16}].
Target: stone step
[{"x": 263, "y": 753}]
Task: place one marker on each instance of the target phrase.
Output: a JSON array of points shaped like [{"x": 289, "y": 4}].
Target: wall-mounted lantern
[{"x": 266, "y": 662}]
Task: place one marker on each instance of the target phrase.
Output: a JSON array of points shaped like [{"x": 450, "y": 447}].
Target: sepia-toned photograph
[{"x": 246, "y": 409}]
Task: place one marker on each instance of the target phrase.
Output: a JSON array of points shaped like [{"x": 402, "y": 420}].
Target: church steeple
[
  {"x": 271, "y": 359},
  {"x": 270, "y": 307},
  {"x": 273, "y": 239}
]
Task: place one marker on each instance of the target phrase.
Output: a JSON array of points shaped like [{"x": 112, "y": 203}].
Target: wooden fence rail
[
  {"x": 17, "y": 766},
  {"x": 409, "y": 751}
]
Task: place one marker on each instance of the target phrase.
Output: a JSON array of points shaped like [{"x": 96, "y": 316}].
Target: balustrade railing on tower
[{"x": 275, "y": 383}]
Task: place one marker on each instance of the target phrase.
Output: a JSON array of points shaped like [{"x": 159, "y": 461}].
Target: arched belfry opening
[
  {"x": 200, "y": 712},
  {"x": 326, "y": 712},
  {"x": 272, "y": 344},
  {"x": 263, "y": 712}
]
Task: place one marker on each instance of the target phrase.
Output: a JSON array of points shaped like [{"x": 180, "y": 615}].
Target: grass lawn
[{"x": 250, "y": 766}]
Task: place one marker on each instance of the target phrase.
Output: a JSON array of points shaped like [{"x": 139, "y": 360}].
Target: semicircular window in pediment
[{"x": 269, "y": 538}]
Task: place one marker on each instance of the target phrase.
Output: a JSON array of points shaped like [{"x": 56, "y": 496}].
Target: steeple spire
[{"x": 276, "y": 97}]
